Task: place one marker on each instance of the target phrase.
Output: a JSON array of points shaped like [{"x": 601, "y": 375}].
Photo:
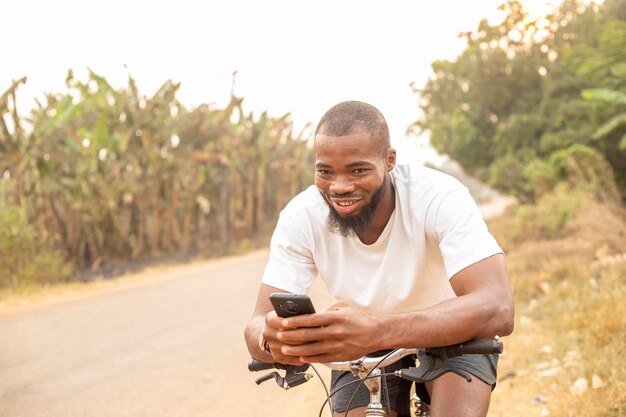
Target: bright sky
[{"x": 290, "y": 56}]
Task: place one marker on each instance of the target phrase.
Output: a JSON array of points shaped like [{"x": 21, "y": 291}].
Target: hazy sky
[{"x": 290, "y": 56}]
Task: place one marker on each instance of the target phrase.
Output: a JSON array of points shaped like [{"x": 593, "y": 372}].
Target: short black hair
[{"x": 351, "y": 116}]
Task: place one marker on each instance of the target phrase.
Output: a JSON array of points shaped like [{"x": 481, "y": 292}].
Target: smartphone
[{"x": 287, "y": 305}]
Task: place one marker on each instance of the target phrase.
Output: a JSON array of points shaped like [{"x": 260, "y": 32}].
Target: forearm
[{"x": 471, "y": 316}]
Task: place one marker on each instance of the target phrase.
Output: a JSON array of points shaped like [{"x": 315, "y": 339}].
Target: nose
[{"x": 341, "y": 185}]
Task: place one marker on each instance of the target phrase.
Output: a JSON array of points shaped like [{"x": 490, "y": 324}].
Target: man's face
[{"x": 350, "y": 173}]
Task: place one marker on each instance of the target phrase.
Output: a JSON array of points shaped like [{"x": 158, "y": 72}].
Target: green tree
[
  {"x": 605, "y": 67},
  {"x": 513, "y": 97}
]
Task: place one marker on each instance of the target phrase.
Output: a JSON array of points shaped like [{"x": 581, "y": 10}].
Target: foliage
[
  {"x": 526, "y": 89},
  {"x": 566, "y": 257},
  {"x": 109, "y": 176},
  {"x": 31, "y": 260},
  {"x": 547, "y": 218}
]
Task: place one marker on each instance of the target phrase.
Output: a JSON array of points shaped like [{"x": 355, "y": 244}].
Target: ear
[{"x": 390, "y": 159}]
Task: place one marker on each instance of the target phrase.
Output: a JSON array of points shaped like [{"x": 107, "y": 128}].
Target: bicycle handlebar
[
  {"x": 256, "y": 366},
  {"x": 364, "y": 364}
]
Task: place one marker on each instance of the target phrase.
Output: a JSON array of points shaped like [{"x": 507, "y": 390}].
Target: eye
[
  {"x": 359, "y": 171},
  {"x": 323, "y": 172}
]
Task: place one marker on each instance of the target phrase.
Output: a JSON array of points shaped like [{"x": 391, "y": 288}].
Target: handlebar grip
[
  {"x": 256, "y": 365},
  {"x": 479, "y": 346}
]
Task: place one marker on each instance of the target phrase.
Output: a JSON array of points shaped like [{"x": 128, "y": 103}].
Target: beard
[{"x": 353, "y": 225}]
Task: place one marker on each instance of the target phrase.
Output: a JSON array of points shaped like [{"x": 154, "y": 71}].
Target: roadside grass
[{"x": 567, "y": 354}]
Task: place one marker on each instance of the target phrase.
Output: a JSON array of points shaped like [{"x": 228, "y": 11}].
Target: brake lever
[
  {"x": 267, "y": 377},
  {"x": 294, "y": 376}
]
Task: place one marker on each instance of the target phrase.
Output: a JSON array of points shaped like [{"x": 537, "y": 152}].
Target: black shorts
[{"x": 481, "y": 366}]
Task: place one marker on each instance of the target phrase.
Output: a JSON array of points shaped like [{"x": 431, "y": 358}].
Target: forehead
[{"x": 346, "y": 149}]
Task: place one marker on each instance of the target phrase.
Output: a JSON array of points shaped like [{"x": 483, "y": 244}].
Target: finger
[
  {"x": 310, "y": 320},
  {"x": 280, "y": 357},
  {"x": 272, "y": 320},
  {"x": 270, "y": 334},
  {"x": 309, "y": 349},
  {"x": 300, "y": 335},
  {"x": 288, "y": 360}
]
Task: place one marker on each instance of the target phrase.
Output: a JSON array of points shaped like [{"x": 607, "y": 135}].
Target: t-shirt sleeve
[
  {"x": 461, "y": 231},
  {"x": 290, "y": 266}
]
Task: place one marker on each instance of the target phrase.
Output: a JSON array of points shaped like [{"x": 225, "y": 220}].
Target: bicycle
[{"x": 368, "y": 369}]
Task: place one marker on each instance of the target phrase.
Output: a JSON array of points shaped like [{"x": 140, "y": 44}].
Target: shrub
[{"x": 24, "y": 258}]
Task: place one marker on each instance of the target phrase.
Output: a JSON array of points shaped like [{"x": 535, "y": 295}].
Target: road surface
[{"x": 171, "y": 345}]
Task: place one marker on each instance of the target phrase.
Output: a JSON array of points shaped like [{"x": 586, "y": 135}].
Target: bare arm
[{"x": 483, "y": 308}]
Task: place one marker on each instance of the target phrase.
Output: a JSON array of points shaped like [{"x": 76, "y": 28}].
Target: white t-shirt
[{"x": 435, "y": 231}]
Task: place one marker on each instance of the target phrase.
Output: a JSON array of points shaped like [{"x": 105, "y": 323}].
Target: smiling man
[{"x": 406, "y": 251}]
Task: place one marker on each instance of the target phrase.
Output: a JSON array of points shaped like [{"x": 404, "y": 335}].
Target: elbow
[
  {"x": 500, "y": 320},
  {"x": 505, "y": 318}
]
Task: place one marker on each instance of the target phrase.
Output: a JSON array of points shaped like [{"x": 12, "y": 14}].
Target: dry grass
[{"x": 567, "y": 354}]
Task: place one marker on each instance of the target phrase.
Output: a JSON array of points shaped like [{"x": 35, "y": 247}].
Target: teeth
[{"x": 345, "y": 203}]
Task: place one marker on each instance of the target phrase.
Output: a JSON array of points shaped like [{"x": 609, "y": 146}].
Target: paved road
[{"x": 171, "y": 346}]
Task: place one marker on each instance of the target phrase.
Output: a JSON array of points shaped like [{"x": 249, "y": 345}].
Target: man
[{"x": 405, "y": 250}]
